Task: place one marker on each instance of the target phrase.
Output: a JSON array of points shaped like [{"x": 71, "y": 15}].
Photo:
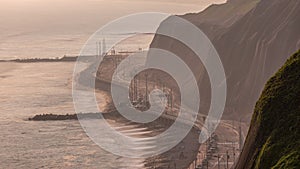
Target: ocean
[{"x": 28, "y": 89}]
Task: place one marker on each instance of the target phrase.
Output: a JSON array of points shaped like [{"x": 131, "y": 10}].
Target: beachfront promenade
[{"x": 212, "y": 154}]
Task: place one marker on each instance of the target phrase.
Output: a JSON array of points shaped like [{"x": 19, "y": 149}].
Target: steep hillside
[
  {"x": 273, "y": 140},
  {"x": 256, "y": 46},
  {"x": 252, "y": 47},
  {"x": 216, "y": 18}
]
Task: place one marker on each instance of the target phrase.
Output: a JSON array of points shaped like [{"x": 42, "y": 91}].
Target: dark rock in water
[
  {"x": 48, "y": 117},
  {"x": 45, "y": 117}
]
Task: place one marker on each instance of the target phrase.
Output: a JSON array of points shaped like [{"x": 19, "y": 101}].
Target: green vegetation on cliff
[{"x": 273, "y": 140}]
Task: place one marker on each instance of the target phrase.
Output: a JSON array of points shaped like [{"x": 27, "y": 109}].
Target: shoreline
[
  {"x": 65, "y": 58},
  {"x": 180, "y": 156},
  {"x": 225, "y": 132},
  {"x": 143, "y": 130},
  {"x": 165, "y": 160}
]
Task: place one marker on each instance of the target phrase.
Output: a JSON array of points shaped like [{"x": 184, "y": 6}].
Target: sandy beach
[{"x": 179, "y": 157}]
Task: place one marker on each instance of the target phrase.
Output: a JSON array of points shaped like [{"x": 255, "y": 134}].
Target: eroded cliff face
[
  {"x": 217, "y": 18},
  {"x": 256, "y": 46},
  {"x": 273, "y": 140},
  {"x": 253, "y": 39}
]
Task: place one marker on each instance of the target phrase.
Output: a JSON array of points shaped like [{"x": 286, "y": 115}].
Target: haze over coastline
[
  {"x": 58, "y": 111},
  {"x": 53, "y": 28},
  {"x": 32, "y": 28}
]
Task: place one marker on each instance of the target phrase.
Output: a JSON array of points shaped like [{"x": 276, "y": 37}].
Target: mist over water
[{"x": 53, "y": 28}]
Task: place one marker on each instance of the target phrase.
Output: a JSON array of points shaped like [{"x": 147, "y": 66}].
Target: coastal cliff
[
  {"x": 253, "y": 39},
  {"x": 273, "y": 140}
]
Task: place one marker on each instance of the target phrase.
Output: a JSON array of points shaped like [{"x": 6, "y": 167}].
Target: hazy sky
[
  {"x": 33, "y": 23},
  {"x": 84, "y": 14}
]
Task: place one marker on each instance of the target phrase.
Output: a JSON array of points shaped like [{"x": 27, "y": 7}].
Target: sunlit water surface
[{"x": 33, "y": 88}]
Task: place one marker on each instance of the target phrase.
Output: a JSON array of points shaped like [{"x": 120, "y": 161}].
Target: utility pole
[
  {"x": 146, "y": 97},
  {"x": 154, "y": 82},
  {"x": 218, "y": 161},
  {"x": 240, "y": 137},
  {"x": 207, "y": 163},
  {"x": 233, "y": 151},
  {"x": 103, "y": 46},
  {"x": 135, "y": 92},
  {"x": 206, "y": 149},
  {"x": 227, "y": 159},
  {"x": 171, "y": 99},
  {"x": 132, "y": 89},
  {"x": 97, "y": 49}
]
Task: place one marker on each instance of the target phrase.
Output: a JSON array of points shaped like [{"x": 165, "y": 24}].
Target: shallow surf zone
[{"x": 28, "y": 89}]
